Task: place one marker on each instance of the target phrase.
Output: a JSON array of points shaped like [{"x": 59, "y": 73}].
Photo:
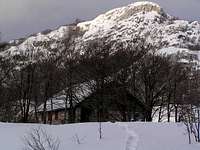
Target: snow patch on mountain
[{"x": 185, "y": 56}]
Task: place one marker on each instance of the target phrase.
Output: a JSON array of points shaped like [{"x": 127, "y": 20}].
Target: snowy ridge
[
  {"x": 31, "y": 46},
  {"x": 144, "y": 19}
]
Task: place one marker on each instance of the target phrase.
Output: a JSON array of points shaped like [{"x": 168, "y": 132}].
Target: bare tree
[
  {"x": 6, "y": 90},
  {"x": 152, "y": 76},
  {"x": 39, "y": 139},
  {"x": 70, "y": 63},
  {"x": 190, "y": 109}
]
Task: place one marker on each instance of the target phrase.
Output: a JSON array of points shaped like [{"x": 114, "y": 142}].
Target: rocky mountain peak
[
  {"x": 144, "y": 6},
  {"x": 126, "y": 12}
]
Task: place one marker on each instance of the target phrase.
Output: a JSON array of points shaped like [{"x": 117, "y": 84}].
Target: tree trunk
[
  {"x": 168, "y": 108},
  {"x": 66, "y": 107},
  {"x": 51, "y": 113},
  {"x": 176, "y": 112},
  {"x": 148, "y": 115},
  {"x": 44, "y": 113}
]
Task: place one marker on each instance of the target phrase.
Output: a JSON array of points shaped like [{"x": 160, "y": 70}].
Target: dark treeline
[{"x": 157, "y": 81}]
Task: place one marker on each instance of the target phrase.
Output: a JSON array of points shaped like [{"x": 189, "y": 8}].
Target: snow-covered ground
[{"x": 116, "y": 136}]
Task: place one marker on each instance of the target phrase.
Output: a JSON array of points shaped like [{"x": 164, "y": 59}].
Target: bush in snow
[{"x": 39, "y": 139}]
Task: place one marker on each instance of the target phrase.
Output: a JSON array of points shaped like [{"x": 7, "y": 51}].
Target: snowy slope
[
  {"x": 144, "y": 19},
  {"x": 39, "y": 45},
  {"x": 116, "y": 136},
  {"x": 161, "y": 136}
]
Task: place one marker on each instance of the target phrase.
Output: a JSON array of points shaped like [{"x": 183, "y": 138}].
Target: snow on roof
[{"x": 57, "y": 102}]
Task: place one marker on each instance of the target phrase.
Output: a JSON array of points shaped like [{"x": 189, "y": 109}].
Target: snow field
[{"x": 116, "y": 136}]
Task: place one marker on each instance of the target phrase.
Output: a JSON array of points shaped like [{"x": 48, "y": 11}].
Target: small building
[
  {"x": 57, "y": 109},
  {"x": 116, "y": 102}
]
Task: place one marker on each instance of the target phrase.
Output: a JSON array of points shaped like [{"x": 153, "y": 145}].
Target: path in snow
[{"x": 132, "y": 139}]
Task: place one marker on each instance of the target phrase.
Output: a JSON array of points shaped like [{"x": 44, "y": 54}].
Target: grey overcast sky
[{"x": 19, "y": 18}]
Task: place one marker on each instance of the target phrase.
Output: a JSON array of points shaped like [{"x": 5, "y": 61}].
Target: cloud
[{"x": 22, "y": 17}]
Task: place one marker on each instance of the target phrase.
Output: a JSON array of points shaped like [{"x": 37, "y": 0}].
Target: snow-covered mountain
[{"x": 144, "y": 19}]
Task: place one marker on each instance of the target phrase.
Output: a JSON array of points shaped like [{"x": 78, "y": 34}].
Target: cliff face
[{"x": 142, "y": 19}]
